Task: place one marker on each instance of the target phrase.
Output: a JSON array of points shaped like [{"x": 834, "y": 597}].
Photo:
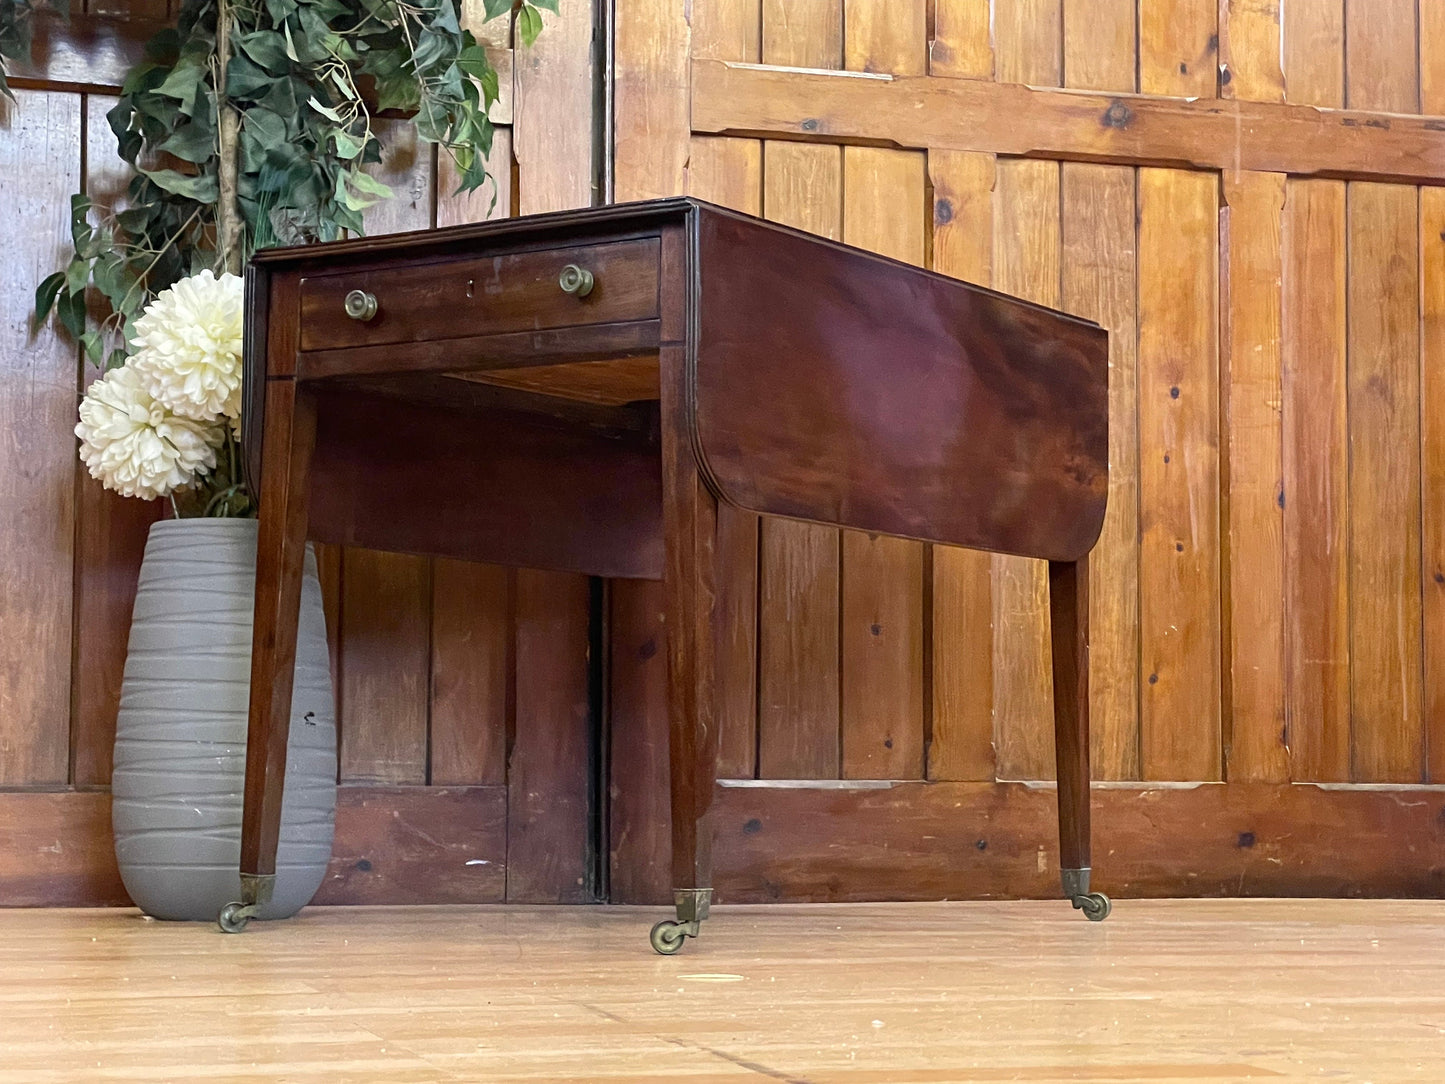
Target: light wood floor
[{"x": 1163, "y": 991}]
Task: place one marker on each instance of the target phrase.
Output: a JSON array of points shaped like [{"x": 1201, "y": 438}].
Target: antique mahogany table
[{"x": 579, "y": 391}]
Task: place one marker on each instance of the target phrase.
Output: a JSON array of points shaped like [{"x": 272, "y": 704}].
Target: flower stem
[{"x": 228, "y": 217}]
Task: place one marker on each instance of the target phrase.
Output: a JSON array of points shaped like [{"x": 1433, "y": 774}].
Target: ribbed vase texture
[{"x": 180, "y": 741}]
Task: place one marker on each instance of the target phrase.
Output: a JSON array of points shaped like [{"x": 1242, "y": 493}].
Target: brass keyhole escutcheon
[
  {"x": 577, "y": 281},
  {"x": 360, "y": 305}
]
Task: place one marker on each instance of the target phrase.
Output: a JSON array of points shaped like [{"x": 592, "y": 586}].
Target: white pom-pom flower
[
  {"x": 188, "y": 347},
  {"x": 136, "y": 447}
]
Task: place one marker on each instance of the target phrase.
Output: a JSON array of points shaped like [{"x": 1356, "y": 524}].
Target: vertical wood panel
[
  {"x": 385, "y": 623},
  {"x": 1028, "y": 42},
  {"x": 549, "y": 827},
  {"x": 1099, "y": 44},
  {"x": 650, "y": 107},
  {"x": 962, "y": 45},
  {"x": 1432, "y": 444},
  {"x": 726, "y": 29},
  {"x": 1384, "y": 420},
  {"x": 882, "y": 598},
  {"x": 798, "y": 679},
  {"x": 1179, "y": 475},
  {"x": 1025, "y": 264},
  {"x": 1178, "y": 47},
  {"x": 549, "y": 773},
  {"x": 1098, "y": 272},
  {"x": 1316, "y": 511},
  {"x": 552, "y": 128},
  {"x": 1249, "y": 50},
  {"x": 110, "y": 534},
  {"x": 1432, "y": 391},
  {"x": 492, "y": 200},
  {"x": 1314, "y": 52},
  {"x": 495, "y": 32},
  {"x": 471, "y": 672},
  {"x": 1098, "y": 280},
  {"x": 729, "y": 172},
  {"x": 471, "y": 620},
  {"x": 1381, "y": 59},
  {"x": 886, "y": 36},
  {"x": 1432, "y": 58},
  {"x": 39, "y": 169},
  {"x": 962, "y": 657},
  {"x": 639, "y": 813},
  {"x": 803, "y": 33},
  {"x": 881, "y": 637},
  {"x": 385, "y": 667},
  {"x": 1254, "y": 616}
]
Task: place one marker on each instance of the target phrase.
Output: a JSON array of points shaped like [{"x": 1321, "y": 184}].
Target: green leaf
[
  {"x": 282, "y": 98},
  {"x": 431, "y": 121},
  {"x": 243, "y": 78},
  {"x": 135, "y": 220},
  {"x": 347, "y": 145},
  {"x": 366, "y": 185},
  {"x": 45, "y": 295},
  {"x": 365, "y": 182},
  {"x": 280, "y": 10},
  {"x": 266, "y": 48},
  {"x": 473, "y": 61},
  {"x": 550, "y": 5},
  {"x": 144, "y": 76},
  {"x": 324, "y": 110},
  {"x": 191, "y": 143},
  {"x": 493, "y": 8},
  {"x": 290, "y": 45},
  {"x": 491, "y": 89},
  {"x": 266, "y": 127},
  {"x": 80, "y": 228},
  {"x": 93, "y": 345},
  {"x": 202, "y": 189},
  {"x": 110, "y": 277},
  {"x": 183, "y": 84},
  {"x": 430, "y": 48},
  {"x": 77, "y": 274},
  {"x": 71, "y": 312},
  {"x": 529, "y": 24},
  {"x": 117, "y": 358}
]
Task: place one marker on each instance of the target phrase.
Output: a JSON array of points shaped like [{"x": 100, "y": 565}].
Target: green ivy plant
[{"x": 249, "y": 124}]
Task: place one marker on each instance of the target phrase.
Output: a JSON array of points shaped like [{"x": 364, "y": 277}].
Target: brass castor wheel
[
  {"x": 667, "y": 937},
  {"x": 234, "y": 917},
  {"x": 1095, "y": 905}
]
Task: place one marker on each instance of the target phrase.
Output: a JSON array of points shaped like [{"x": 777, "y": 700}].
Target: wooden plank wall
[
  {"x": 1270, "y": 612},
  {"x": 1270, "y": 585},
  {"x": 463, "y": 690}
]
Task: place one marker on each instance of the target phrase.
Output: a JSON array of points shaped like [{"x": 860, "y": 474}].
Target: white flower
[
  {"x": 188, "y": 347},
  {"x": 137, "y": 447}
]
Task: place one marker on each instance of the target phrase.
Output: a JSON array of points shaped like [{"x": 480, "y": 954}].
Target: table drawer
[{"x": 519, "y": 291}]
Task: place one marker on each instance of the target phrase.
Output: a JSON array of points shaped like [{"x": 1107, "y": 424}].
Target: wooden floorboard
[{"x": 1166, "y": 990}]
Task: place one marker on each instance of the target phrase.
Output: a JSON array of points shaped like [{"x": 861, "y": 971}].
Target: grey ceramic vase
[{"x": 180, "y": 740}]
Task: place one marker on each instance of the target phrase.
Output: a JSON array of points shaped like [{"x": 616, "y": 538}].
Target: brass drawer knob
[
  {"x": 360, "y": 305},
  {"x": 576, "y": 281}
]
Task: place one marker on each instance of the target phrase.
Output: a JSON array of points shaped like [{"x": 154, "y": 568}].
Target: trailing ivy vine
[{"x": 249, "y": 124}]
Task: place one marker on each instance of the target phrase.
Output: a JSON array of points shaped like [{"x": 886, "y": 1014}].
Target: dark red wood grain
[
  {"x": 841, "y": 387},
  {"x": 794, "y": 377}
]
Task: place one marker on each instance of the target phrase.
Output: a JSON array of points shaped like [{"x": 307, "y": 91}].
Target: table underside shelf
[{"x": 608, "y": 381}]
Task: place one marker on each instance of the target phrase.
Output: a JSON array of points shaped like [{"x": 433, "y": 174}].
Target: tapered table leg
[
  {"x": 1069, "y": 626},
  {"x": 280, "y": 553},
  {"x": 690, "y": 540}
]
